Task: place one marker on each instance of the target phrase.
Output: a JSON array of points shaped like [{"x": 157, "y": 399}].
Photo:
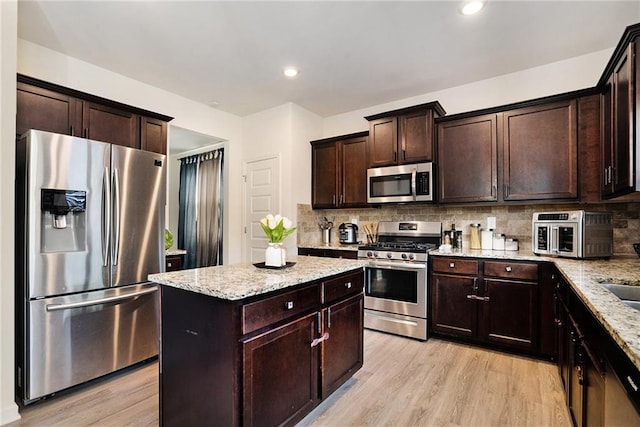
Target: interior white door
[{"x": 262, "y": 197}]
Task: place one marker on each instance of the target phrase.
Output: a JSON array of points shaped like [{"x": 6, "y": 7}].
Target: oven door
[
  {"x": 559, "y": 238},
  {"x": 396, "y": 287}
]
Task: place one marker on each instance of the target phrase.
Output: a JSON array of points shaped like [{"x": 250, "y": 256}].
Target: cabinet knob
[
  {"x": 452, "y": 265},
  {"x": 508, "y": 269},
  {"x": 169, "y": 264},
  {"x": 347, "y": 285},
  {"x": 288, "y": 305}
]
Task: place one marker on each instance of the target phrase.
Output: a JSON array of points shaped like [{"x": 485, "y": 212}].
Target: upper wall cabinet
[
  {"x": 52, "y": 108},
  {"x": 339, "y": 172},
  {"x": 510, "y": 154},
  {"x": 403, "y": 136},
  {"x": 620, "y": 100}
]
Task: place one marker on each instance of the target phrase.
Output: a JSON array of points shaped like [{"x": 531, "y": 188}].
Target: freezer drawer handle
[{"x": 57, "y": 307}]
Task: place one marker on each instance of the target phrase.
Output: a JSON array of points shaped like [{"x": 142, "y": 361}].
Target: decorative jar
[{"x": 275, "y": 255}]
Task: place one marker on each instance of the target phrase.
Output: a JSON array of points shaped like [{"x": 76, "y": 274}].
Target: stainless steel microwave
[
  {"x": 400, "y": 184},
  {"x": 572, "y": 234}
]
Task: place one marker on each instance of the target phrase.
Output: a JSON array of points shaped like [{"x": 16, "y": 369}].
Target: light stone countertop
[
  {"x": 171, "y": 252},
  {"x": 239, "y": 281},
  {"x": 333, "y": 245},
  {"x": 586, "y": 278}
]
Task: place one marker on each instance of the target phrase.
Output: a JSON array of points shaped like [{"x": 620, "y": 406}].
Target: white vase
[{"x": 274, "y": 255}]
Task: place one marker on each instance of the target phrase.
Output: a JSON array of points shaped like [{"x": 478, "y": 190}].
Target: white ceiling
[{"x": 352, "y": 55}]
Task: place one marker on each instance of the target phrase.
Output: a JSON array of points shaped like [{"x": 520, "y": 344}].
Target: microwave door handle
[
  {"x": 555, "y": 237},
  {"x": 414, "y": 172}
]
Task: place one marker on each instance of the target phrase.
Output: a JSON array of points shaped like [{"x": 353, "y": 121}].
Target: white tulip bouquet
[{"x": 276, "y": 227}]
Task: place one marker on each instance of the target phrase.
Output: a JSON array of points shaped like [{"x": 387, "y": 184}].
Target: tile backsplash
[{"x": 513, "y": 221}]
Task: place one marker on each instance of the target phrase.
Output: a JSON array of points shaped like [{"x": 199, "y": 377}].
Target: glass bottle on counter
[{"x": 474, "y": 238}]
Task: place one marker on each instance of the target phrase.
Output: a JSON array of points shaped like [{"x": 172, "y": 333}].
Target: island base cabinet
[
  {"x": 195, "y": 331},
  {"x": 342, "y": 351},
  {"x": 280, "y": 374}
]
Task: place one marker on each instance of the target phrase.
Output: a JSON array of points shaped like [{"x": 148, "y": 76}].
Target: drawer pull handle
[
  {"x": 477, "y": 298},
  {"x": 508, "y": 269},
  {"x": 452, "y": 265},
  {"x": 347, "y": 285},
  {"x": 288, "y": 305}
]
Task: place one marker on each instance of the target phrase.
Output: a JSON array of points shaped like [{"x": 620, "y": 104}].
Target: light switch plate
[{"x": 491, "y": 223}]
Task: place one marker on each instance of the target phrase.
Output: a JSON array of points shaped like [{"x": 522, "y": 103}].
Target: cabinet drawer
[
  {"x": 455, "y": 265},
  {"x": 343, "y": 286},
  {"x": 511, "y": 270},
  {"x": 262, "y": 313}
]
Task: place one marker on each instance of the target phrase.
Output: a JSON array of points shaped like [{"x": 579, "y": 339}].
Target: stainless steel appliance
[
  {"x": 396, "y": 277},
  {"x": 400, "y": 184},
  {"x": 348, "y": 233},
  {"x": 90, "y": 223},
  {"x": 572, "y": 234}
]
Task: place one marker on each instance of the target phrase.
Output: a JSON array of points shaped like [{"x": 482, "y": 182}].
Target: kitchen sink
[{"x": 630, "y": 295}]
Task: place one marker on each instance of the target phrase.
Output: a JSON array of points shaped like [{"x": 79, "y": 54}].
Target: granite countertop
[
  {"x": 586, "y": 278},
  {"x": 239, "y": 281},
  {"x": 171, "y": 252},
  {"x": 333, "y": 245}
]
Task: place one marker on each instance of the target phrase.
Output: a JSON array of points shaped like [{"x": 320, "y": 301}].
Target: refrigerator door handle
[
  {"x": 106, "y": 216},
  {"x": 116, "y": 217},
  {"x": 58, "y": 307}
]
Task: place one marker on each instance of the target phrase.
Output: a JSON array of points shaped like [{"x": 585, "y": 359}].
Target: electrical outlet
[{"x": 354, "y": 220}]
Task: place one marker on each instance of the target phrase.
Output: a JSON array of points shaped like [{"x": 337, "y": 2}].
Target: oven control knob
[
  {"x": 404, "y": 256},
  {"x": 369, "y": 254},
  {"x": 389, "y": 255},
  {"x": 376, "y": 255},
  {"x": 411, "y": 257}
]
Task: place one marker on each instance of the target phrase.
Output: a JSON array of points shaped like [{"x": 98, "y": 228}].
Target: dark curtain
[
  {"x": 187, "y": 213},
  {"x": 209, "y": 230}
]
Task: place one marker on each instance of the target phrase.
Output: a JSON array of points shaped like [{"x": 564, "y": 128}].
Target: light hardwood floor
[{"x": 403, "y": 383}]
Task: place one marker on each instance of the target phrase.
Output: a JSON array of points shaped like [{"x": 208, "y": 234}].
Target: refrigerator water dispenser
[{"x": 63, "y": 220}]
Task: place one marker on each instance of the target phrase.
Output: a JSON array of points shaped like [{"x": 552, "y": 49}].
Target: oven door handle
[{"x": 397, "y": 265}]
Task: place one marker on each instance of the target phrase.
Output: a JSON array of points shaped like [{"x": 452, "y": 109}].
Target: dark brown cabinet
[
  {"x": 173, "y": 262},
  {"x": 329, "y": 253},
  {"x": 618, "y": 112},
  {"x": 590, "y": 364},
  {"x": 541, "y": 152},
  {"x": 52, "y": 108},
  {"x": 468, "y": 160},
  {"x": 403, "y": 136},
  {"x": 267, "y": 360},
  {"x": 489, "y": 302},
  {"x": 339, "y": 172},
  {"x": 528, "y": 153}
]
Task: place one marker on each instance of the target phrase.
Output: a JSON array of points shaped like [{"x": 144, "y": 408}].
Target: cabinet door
[
  {"x": 383, "y": 142},
  {"x": 342, "y": 352},
  {"x": 452, "y": 312},
  {"x": 353, "y": 173},
  {"x": 280, "y": 377},
  {"x": 510, "y": 313},
  {"x": 107, "y": 124},
  {"x": 153, "y": 135},
  {"x": 46, "y": 110},
  {"x": 416, "y": 137},
  {"x": 468, "y": 160},
  {"x": 541, "y": 152},
  {"x": 623, "y": 123},
  {"x": 324, "y": 175}
]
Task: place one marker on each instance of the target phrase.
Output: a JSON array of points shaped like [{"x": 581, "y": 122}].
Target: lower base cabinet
[
  {"x": 588, "y": 361},
  {"x": 264, "y": 361},
  {"x": 489, "y": 302}
]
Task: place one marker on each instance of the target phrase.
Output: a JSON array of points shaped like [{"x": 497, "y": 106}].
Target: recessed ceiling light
[
  {"x": 471, "y": 7},
  {"x": 290, "y": 71}
]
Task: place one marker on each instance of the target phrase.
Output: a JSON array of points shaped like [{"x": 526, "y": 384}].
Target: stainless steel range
[{"x": 396, "y": 277}]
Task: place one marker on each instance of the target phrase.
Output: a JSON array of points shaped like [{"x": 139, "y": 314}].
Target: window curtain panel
[
  {"x": 187, "y": 214},
  {"x": 209, "y": 228}
]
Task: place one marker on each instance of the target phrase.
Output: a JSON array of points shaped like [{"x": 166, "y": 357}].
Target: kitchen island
[{"x": 242, "y": 345}]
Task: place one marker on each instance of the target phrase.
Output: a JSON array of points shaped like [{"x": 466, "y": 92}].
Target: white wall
[
  {"x": 284, "y": 132},
  {"x": 8, "y": 49},
  {"x": 45, "y": 64},
  {"x": 572, "y": 74}
]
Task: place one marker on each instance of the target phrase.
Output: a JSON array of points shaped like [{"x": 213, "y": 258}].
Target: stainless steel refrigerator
[{"x": 89, "y": 228}]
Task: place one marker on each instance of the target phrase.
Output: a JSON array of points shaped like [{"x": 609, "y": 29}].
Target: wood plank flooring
[{"x": 403, "y": 383}]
